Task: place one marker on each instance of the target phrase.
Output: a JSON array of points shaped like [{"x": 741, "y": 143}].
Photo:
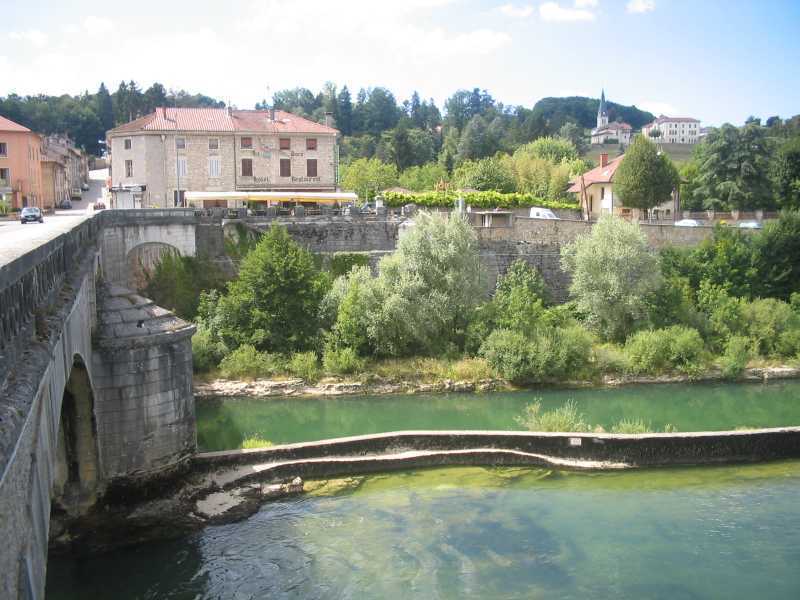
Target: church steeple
[{"x": 602, "y": 111}]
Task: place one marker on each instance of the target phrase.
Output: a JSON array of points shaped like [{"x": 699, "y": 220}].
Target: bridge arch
[{"x": 142, "y": 260}]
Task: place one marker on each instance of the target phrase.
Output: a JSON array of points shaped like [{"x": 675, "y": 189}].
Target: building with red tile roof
[{"x": 156, "y": 158}]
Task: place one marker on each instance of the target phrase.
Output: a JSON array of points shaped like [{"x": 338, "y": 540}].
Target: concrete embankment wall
[{"x": 369, "y": 453}]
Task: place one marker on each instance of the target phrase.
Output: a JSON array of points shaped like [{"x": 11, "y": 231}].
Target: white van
[{"x": 542, "y": 213}]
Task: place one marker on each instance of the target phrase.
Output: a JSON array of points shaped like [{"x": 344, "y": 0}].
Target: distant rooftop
[{"x": 9, "y": 125}]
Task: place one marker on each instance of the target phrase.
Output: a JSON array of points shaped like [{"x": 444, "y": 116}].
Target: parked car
[
  {"x": 749, "y": 225},
  {"x": 65, "y": 204},
  {"x": 31, "y": 214},
  {"x": 99, "y": 206},
  {"x": 688, "y": 223},
  {"x": 85, "y": 187},
  {"x": 542, "y": 213}
]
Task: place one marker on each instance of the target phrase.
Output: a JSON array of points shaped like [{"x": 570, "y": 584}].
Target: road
[{"x": 17, "y": 239}]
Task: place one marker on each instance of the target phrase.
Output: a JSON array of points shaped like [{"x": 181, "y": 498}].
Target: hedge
[{"x": 474, "y": 199}]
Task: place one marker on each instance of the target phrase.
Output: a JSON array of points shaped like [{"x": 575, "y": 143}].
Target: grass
[
  {"x": 429, "y": 370},
  {"x": 254, "y": 441},
  {"x": 567, "y": 418},
  {"x": 679, "y": 153},
  {"x": 631, "y": 426}
]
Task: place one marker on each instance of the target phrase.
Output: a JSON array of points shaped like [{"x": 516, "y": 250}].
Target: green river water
[
  {"x": 223, "y": 424},
  {"x": 711, "y": 532}
]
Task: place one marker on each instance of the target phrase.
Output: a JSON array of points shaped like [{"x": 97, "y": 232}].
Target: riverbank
[{"x": 226, "y": 388}]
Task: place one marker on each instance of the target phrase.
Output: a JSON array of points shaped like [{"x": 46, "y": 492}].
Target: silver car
[
  {"x": 688, "y": 223},
  {"x": 749, "y": 225}
]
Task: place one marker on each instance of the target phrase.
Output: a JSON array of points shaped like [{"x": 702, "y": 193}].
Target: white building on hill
[
  {"x": 674, "y": 130},
  {"x": 605, "y": 132}
]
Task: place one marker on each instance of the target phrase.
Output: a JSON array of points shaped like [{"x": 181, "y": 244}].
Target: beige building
[
  {"x": 594, "y": 191},
  {"x": 157, "y": 158},
  {"x": 674, "y": 130},
  {"x": 55, "y": 187}
]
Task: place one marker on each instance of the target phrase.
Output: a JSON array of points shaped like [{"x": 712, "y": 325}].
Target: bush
[
  {"x": 304, "y": 365},
  {"x": 610, "y": 358},
  {"x": 254, "y": 441},
  {"x": 474, "y": 199},
  {"x": 470, "y": 369},
  {"x": 737, "y": 355},
  {"x": 508, "y": 353},
  {"x": 631, "y": 426},
  {"x": 247, "y": 362},
  {"x": 564, "y": 419},
  {"x": 176, "y": 282},
  {"x": 659, "y": 350},
  {"x": 341, "y": 361},
  {"x": 342, "y": 262},
  {"x": 767, "y": 320},
  {"x": 206, "y": 351}
]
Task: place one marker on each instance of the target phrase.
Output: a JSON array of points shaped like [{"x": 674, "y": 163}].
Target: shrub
[
  {"x": 673, "y": 348},
  {"x": 206, "y": 351},
  {"x": 737, "y": 355},
  {"x": 508, "y": 353},
  {"x": 247, "y": 362},
  {"x": 470, "y": 369},
  {"x": 254, "y": 441},
  {"x": 565, "y": 419},
  {"x": 788, "y": 344},
  {"x": 342, "y": 262},
  {"x": 631, "y": 426},
  {"x": 304, "y": 365},
  {"x": 475, "y": 199},
  {"x": 176, "y": 282},
  {"x": 610, "y": 358},
  {"x": 766, "y": 320},
  {"x": 341, "y": 361}
]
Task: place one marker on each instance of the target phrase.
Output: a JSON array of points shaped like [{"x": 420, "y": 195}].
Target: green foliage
[
  {"x": 576, "y": 135},
  {"x": 423, "y": 177},
  {"x": 5, "y": 207},
  {"x": 239, "y": 241},
  {"x": 583, "y": 111},
  {"x": 368, "y": 176},
  {"x": 254, "y": 441},
  {"x": 342, "y": 361},
  {"x": 737, "y": 354},
  {"x": 771, "y": 325},
  {"x": 733, "y": 166},
  {"x": 519, "y": 298},
  {"x": 341, "y": 263},
  {"x": 248, "y": 363},
  {"x": 785, "y": 174},
  {"x": 485, "y": 174},
  {"x": 645, "y": 178},
  {"x": 474, "y": 199},
  {"x": 673, "y": 348},
  {"x": 273, "y": 303},
  {"x": 631, "y": 426},
  {"x": 177, "y": 281},
  {"x": 304, "y": 365},
  {"x": 552, "y": 149},
  {"x": 207, "y": 351},
  {"x": 776, "y": 257},
  {"x": 564, "y": 419},
  {"x": 612, "y": 272},
  {"x": 610, "y": 358}
]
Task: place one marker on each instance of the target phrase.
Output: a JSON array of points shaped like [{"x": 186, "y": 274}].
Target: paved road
[{"x": 17, "y": 239}]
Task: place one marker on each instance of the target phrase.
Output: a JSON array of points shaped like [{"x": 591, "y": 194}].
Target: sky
[{"x": 719, "y": 61}]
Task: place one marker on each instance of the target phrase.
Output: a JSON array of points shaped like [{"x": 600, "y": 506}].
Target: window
[
  {"x": 128, "y": 168},
  {"x": 311, "y": 167},
  {"x": 311, "y": 143},
  {"x": 128, "y": 143},
  {"x": 247, "y": 167},
  {"x": 286, "y": 167},
  {"x": 4, "y": 176},
  {"x": 183, "y": 168},
  {"x": 3, "y": 149},
  {"x": 285, "y": 144},
  {"x": 180, "y": 143},
  {"x": 213, "y": 143},
  {"x": 246, "y": 143},
  {"x": 214, "y": 168}
]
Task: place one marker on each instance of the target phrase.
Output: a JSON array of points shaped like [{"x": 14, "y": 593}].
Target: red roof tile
[
  {"x": 222, "y": 120},
  {"x": 598, "y": 175},
  {"x": 9, "y": 125}
]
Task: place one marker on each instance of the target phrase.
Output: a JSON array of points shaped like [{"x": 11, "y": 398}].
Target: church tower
[{"x": 602, "y": 111}]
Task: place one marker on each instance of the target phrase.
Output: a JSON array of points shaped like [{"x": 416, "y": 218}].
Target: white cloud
[
  {"x": 97, "y": 25},
  {"x": 659, "y": 108},
  {"x": 554, "y": 12},
  {"x": 640, "y": 6},
  {"x": 585, "y": 3},
  {"x": 517, "y": 12},
  {"x": 34, "y": 36}
]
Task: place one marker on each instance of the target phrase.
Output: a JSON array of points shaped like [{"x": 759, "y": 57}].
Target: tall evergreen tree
[
  {"x": 345, "y": 110},
  {"x": 104, "y": 107}
]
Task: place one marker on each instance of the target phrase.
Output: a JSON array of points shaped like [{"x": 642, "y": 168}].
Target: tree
[
  {"x": 273, "y": 302},
  {"x": 380, "y": 111},
  {"x": 368, "y": 176},
  {"x": 734, "y": 168},
  {"x": 154, "y": 97},
  {"x": 785, "y": 174},
  {"x": 104, "y": 108},
  {"x": 552, "y": 149},
  {"x": 423, "y": 177},
  {"x": 574, "y": 134},
  {"x": 519, "y": 298},
  {"x": 645, "y": 178},
  {"x": 476, "y": 141},
  {"x": 345, "y": 108},
  {"x": 485, "y": 174},
  {"x": 612, "y": 272}
]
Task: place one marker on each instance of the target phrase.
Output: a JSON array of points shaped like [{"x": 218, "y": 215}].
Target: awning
[{"x": 275, "y": 197}]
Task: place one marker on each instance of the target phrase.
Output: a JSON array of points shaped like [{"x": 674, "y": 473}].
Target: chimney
[
  {"x": 164, "y": 111},
  {"x": 329, "y": 120},
  {"x": 604, "y": 159},
  {"x": 230, "y": 111},
  {"x": 272, "y": 114}
]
